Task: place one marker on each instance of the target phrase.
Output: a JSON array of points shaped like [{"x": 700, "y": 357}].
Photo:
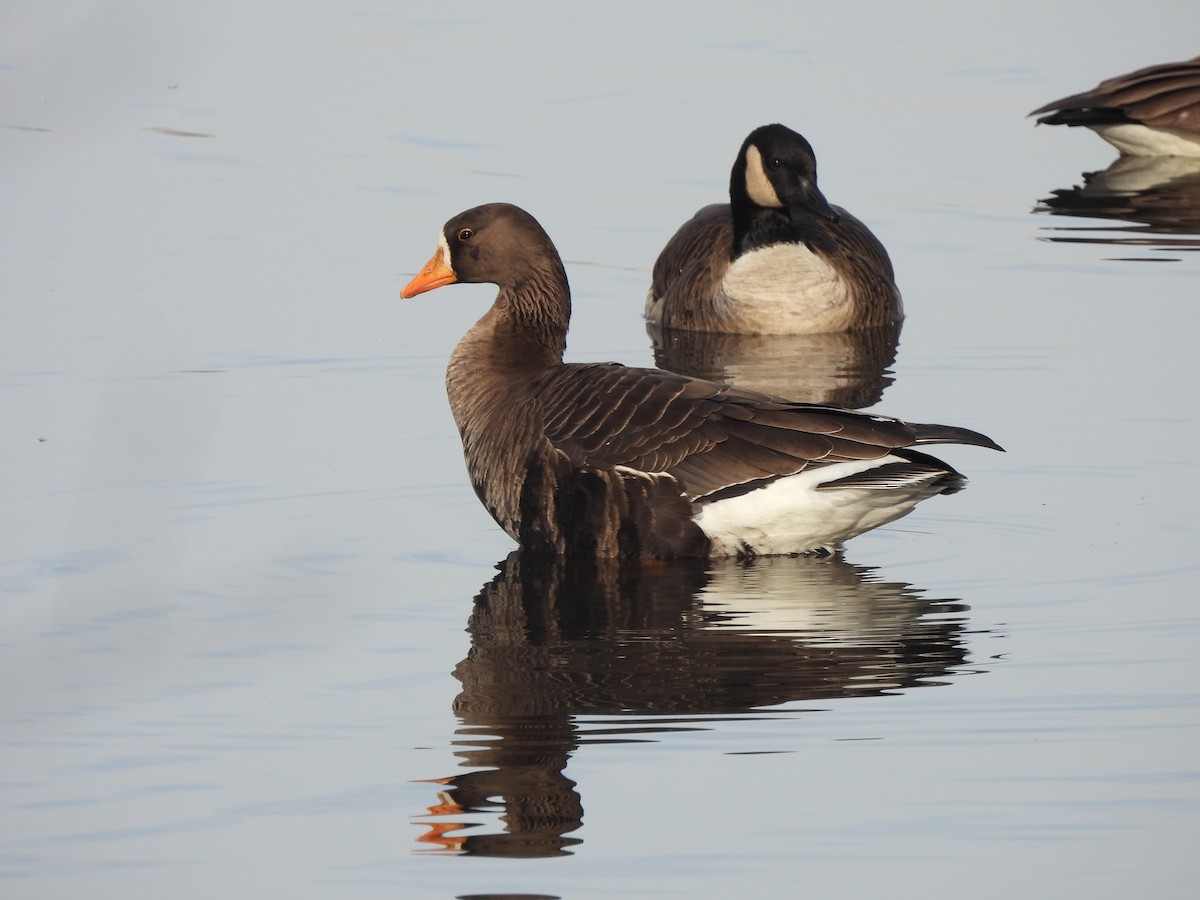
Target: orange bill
[{"x": 435, "y": 274}]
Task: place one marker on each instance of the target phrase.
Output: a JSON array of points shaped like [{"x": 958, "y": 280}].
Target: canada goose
[
  {"x": 1151, "y": 112},
  {"x": 776, "y": 259},
  {"x": 604, "y": 460}
]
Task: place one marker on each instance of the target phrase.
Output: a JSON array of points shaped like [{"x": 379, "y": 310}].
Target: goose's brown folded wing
[{"x": 709, "y": 436}]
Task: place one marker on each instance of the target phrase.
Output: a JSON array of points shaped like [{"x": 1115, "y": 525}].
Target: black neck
[{"x": 757, "y": 226}]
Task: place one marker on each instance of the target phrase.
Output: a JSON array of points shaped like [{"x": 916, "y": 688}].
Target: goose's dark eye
[
  {"x": 465, "y": 234},
  {"x": 774, "y": 164}
]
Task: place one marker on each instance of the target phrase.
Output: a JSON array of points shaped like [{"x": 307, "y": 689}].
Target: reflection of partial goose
[
  {"x": 849, "y": 369},
  {"x": 1151, "y": 112},
  {"x": 604, "y": 460},
  {"x": 776, "y": 259},
  {"x": 1159, "y": 192},
  {"x": 554, "y": 642}
]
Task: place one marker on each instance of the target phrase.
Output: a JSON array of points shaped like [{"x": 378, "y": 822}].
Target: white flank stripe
[{"x": 792, "y": 516}]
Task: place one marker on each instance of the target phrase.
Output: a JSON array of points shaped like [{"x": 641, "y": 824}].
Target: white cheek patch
[
  {"x": 758, "y": 186},
  {"x": 445, "y": 251}
]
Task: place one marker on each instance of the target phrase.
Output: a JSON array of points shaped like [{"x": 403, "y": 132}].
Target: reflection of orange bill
[
  {"x": 437, "y": 835},
  {"x": 447, "y": 806}
]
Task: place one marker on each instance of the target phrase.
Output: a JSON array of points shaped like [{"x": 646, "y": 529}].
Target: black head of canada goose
[
  {"x": 1151, "y": 112},
  {"x": 604, "y": 460},
  {"x": 776, "y": 259}
]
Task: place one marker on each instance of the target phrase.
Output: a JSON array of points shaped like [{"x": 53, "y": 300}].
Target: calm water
[{"x": 257, "y": 636}]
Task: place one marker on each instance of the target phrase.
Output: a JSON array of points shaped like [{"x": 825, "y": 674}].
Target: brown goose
[
  {"x": 604, "y": 460},
  {"x": 776, "y": 259},
  {"x": 1151, "y": 112}
]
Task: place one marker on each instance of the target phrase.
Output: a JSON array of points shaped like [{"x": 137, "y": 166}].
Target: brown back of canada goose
[
  {"x": 1151, "y": 112},
  {"x": 605, "y": 460},
  {"x": 776, "y": 259}
]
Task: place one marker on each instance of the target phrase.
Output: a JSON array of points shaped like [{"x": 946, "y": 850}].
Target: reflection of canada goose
[
  {"x": 849, "y": 369},
  {"x": 1159, "y": 192},
  {"x": 554, "y": 641},
  {"x": 605, "y": 460},
  {"x": 1151, "y": 112},
  {"x": 776, "y": 259}
]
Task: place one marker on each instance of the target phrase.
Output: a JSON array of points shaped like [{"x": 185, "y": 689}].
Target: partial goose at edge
[{"x": 1153, "y": 111}]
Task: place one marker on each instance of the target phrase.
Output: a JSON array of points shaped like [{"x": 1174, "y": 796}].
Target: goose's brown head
[{"x": 496, "y": 243}]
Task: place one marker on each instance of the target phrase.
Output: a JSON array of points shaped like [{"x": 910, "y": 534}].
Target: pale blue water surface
[{"x": 253, "y": 638}]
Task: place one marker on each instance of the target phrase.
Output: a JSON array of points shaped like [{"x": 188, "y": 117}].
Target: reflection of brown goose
[
  {"x": 1151, "y": 112},
  {"x": 555, "y": 640},
  {"x": 849, "y": 369},
  {"x": 776, "y": 259},
  {"x": 607, "y": 460},
  {"x": 1161, "y": 193}
]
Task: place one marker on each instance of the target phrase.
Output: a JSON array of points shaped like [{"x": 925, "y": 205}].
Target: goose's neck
[
  {"x": 533, "y": 315},
  {"x": 524, "y": 331},
  {"x": 756, "y": 226},
  {"x": 490, "y": 383}
]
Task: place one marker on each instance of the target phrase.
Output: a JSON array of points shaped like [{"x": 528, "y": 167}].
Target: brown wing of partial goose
[
  {"x": 1164, "y": 96},
  {"x": 710, "y": 437}
]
